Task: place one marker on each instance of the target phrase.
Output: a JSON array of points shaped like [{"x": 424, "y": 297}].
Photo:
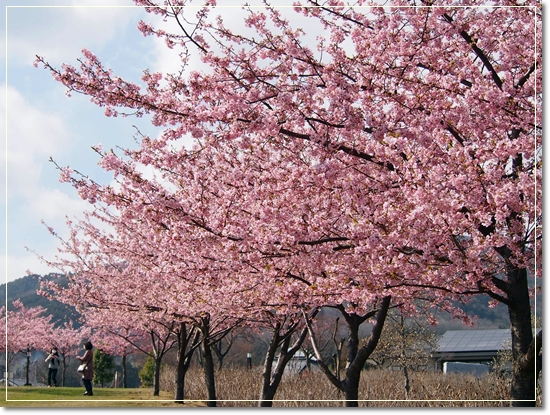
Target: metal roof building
[{"x": 472, "y": 345}]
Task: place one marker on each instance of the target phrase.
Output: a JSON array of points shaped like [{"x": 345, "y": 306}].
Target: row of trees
[
  {"x": 27, "y": 330},
  {"x": 394, "y": 163},
  {"x": 404, "y": 344}
]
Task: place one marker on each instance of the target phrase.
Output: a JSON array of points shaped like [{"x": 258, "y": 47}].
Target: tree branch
[
  {"x": 525, "y": 77},
  {"x": 322, "y": 241},
  {"x": 480, "y": 54},
  {"x": 331, "y": 377},
  {"x": 345, "y": 149}
]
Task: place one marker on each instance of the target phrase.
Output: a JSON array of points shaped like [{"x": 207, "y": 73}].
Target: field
[
  {"x": 239, "y": 388},
  {"x": 23, "y": 396},
  {"x": 379, "y": 388}
]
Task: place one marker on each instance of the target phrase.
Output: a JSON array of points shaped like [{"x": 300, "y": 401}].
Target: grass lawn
[{"x": 28, "y": 396}]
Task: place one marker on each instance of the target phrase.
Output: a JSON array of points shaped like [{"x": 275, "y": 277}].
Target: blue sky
[{"x": 41, "y": 122}]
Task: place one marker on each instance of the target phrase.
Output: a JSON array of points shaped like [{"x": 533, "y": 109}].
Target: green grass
[{"x": 27, "y": 396}]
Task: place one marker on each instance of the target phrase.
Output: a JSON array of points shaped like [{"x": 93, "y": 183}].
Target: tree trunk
[
  {"x": 156, "y": 377},
  {"x": 272, "y": 377},
  {"x": 350, "y": 387},
  {"x": 267, "y": 393},
  {"x": 124, "y": 373},
  {"x": 407, "y": 381},
  {"x": 180, "y": 377},
  {"x": 353, "y": 372},
  {"x": 525, "y": 356},
  {"x": 180, "y": 369},
  {"x": 356, "y": 356},
  {"x": 184, "y": 359},
  {"x": 209, "y": 379}
]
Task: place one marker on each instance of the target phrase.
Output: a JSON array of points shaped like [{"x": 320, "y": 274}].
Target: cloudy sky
[{"x": 40, "y": 121}]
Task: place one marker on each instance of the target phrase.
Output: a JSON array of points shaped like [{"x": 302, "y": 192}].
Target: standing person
[
  {"x": 53, "y": 363},
  {"x": 88, "y": 374}
]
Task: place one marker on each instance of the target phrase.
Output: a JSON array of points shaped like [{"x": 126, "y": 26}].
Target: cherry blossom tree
[
  {"x": 27, "y": 329},
  {"x": 159, "y": 303},
  {"x": 147, "y": 332},
  {"x": 398, "y": 156}
]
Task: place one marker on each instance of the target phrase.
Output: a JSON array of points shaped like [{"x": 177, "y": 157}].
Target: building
[
  {"x": 470, "y": 351},
  {"x": 299, "y": 363}
]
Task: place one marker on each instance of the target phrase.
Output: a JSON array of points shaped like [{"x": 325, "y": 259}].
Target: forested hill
[{"x": 25, "y": 289}]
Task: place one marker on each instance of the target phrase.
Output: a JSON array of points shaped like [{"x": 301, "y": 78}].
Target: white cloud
[
  {"x": 52, "y": 205},
  {"x": 17, "y": 266},
  {"x": 59, "y": 34},
  {"x": 32, "y": 136}
]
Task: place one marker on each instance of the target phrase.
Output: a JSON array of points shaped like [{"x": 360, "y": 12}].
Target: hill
[{"x": 25, "y": 289}]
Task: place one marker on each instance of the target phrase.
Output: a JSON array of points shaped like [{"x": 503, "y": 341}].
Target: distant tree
[
  {"x": 119, "y": 341},
  {"x": 222, "y": 347},
  {"x": 405, "y": 343},
  {"x": 147, "y": 372},
  {"x": 104, "y": 367},
  {"x": 331, "y": 337}
]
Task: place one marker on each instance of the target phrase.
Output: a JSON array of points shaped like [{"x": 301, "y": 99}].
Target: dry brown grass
[{"x": 378, "y": 388}]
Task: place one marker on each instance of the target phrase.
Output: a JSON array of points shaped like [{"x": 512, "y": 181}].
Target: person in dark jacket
[
  {"x": 53, "y": 364},
  {"x": 88, "y": 373}
]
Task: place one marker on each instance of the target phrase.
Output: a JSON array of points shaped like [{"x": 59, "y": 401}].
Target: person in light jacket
[
  {"x": 53, "y": 364},
  {"x": 88, "y": 373}
]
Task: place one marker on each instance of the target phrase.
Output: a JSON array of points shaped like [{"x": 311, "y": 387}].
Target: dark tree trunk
[
  {"x": 350, "y": 384},
  {"x": 271, "y": 377},
  {"x": 356, "y": 356},
  {"x": 180, "y": 370},
  {"x": 267, "y": 395},
  {"x": 179, "y": 395},
  {"x": 124, "y": 372},
  {"x": 351, "y": 391},
  {"x": 267, "y": 392},
  {"x": 187, "y": 338},
  {"x": 407, "y": 381},
  {"x": 525, "y": 356},
  {"x": 156, "y": 377},
  {"x": 208, "y": 363}
]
